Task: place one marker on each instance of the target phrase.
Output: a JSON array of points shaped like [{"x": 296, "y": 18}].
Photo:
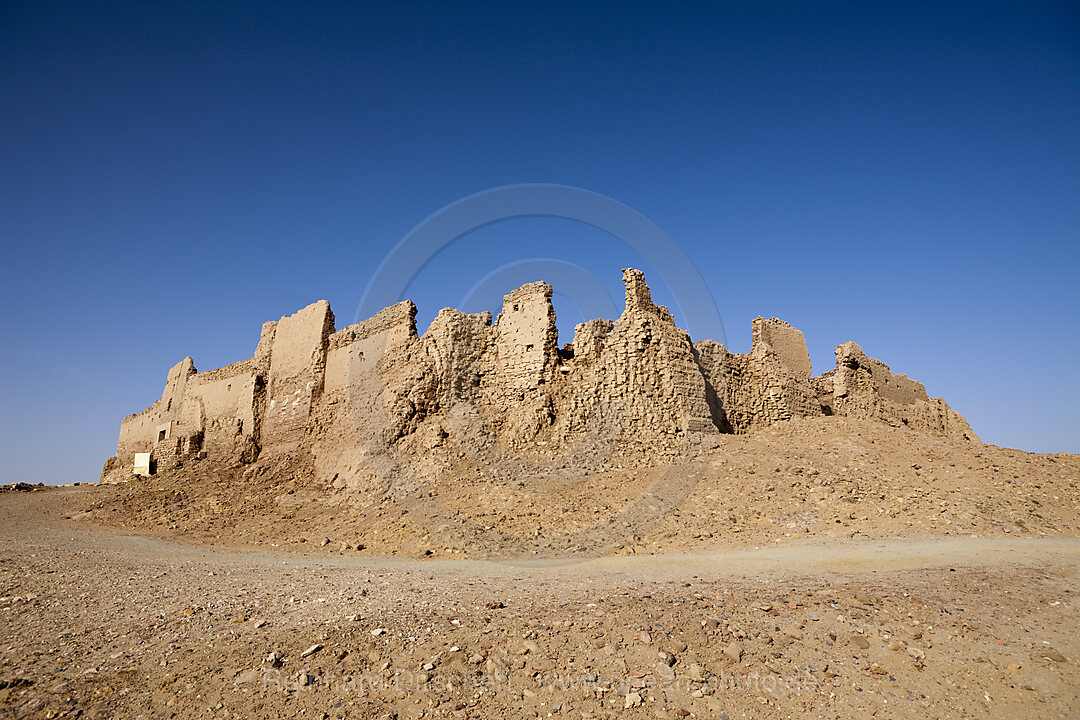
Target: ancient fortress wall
[
  {"x": 637, "y": 376},
  {"x": 769, "y": 384},
  {"x": 865, "y": 387},
  {"x": 334, "y": 396}
]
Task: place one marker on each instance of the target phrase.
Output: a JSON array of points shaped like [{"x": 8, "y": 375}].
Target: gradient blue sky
[{"x": 903, "y": 175}]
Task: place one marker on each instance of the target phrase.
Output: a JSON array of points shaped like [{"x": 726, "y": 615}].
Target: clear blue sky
[{"x": 903, "y": 175}]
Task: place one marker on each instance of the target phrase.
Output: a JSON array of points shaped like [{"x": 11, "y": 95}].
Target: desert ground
[{"x": 820, "y": 569}]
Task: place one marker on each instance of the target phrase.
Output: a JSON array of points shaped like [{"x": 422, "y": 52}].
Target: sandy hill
[{"x": 487, "y": 438}]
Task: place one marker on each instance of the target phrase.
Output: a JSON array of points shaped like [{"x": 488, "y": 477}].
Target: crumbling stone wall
[
  {"x": 769, "y": 384},
  {"x": 863, "y": 387},
  {"x": 217, "y": 414},
  {"x": 637, "y": 377},
  {"x": 350, "y": 415},
  {"x": 527, "y": 340},
  {"x": 198, "y": 414},
  {"x": 356, "y": 348},
  {"x": 589, "y": 338},
  {"x": 786, "y": 342},
  {"x": 337, "y": 397},
  {"x": 296, "y": 374}
]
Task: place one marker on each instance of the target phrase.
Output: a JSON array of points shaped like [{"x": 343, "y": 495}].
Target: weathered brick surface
[{"x": 342, "y": 398}]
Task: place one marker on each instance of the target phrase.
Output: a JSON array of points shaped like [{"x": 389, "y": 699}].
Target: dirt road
[
  {"x": 105, "y": 624},
  {"x": 26, "y": 518}
]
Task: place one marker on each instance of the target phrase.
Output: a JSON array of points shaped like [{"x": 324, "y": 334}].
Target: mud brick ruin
[{"x": 333, "y": 398}]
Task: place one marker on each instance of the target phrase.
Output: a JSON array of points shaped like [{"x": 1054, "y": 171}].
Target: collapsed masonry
[{"x": 339, "y": 397}]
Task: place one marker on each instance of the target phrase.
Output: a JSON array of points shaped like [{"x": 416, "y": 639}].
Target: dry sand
[{"x": 868, "y": 572}]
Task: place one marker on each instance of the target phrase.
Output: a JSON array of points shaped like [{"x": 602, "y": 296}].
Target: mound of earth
[
  {"x": 106, "y": 625},
  {"x": 488, "y": 440},
  {"x": 806, "y": 479}
]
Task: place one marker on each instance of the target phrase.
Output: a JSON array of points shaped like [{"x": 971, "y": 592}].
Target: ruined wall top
[
  {"x": 527, "y": 337},
  {"x": 297, "y": 372},
  {"x": 786, "y": 341},
  {"x": 401, "y": 315},
  {"x": 639, "y": 297}
]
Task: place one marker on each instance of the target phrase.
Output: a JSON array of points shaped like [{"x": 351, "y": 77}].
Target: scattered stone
[
  {"x": 696, "y": 673},
  {"x": 733, "y": 652},
  {"x": 860, "y": 642},
  {"x": 632, "y": 700},
  {"x": 1049, "y": 653},
  {"x": 665, "y": 673},
  {"x": 541, "y": 664},
  {"x": 676, "y": 646},
  {"x": 248, "y": 676},
  {"x": 311, "y": 650}
]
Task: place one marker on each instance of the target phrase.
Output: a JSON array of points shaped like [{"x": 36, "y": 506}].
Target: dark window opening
[{"x": 160, "y": 435}]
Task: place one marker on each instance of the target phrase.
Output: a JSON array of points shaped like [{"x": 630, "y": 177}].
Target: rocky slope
[
  {"x": 824, "y": 477},
  {"x": 104, "y": 625}
]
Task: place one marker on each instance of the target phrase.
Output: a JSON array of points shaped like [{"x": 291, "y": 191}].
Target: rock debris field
[{"x": 825, "y": 570}]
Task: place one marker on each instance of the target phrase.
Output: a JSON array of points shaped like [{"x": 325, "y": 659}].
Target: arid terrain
[
  {"x": 479, "y": 523},
  {"x": 807, "y": 479},
  {"x": 820, "y": 568}
]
